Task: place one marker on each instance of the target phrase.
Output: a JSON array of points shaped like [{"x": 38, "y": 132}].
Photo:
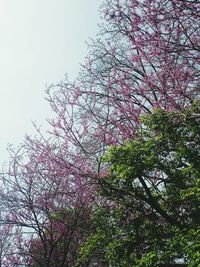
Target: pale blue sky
[{"x": 40, "y": 41}]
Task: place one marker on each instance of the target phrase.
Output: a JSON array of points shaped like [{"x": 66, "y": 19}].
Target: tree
[
  {"x": 153, "y": 187},
  {"x": 46, "y": 204},
  {"x": 146, "y": 57},
  {"x": 69, "y": 229}
]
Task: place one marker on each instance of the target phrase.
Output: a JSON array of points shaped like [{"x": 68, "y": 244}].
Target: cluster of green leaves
[{"x": 154, "y": 196}]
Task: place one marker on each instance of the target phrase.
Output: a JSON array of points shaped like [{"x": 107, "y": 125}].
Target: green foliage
[{"x": 153, "y": 189}]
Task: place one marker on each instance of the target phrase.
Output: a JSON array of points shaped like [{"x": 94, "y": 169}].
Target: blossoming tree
[{"x": 146, "y": 56}]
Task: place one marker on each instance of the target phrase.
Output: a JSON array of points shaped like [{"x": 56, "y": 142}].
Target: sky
[{"x": 40, "y": 41}]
